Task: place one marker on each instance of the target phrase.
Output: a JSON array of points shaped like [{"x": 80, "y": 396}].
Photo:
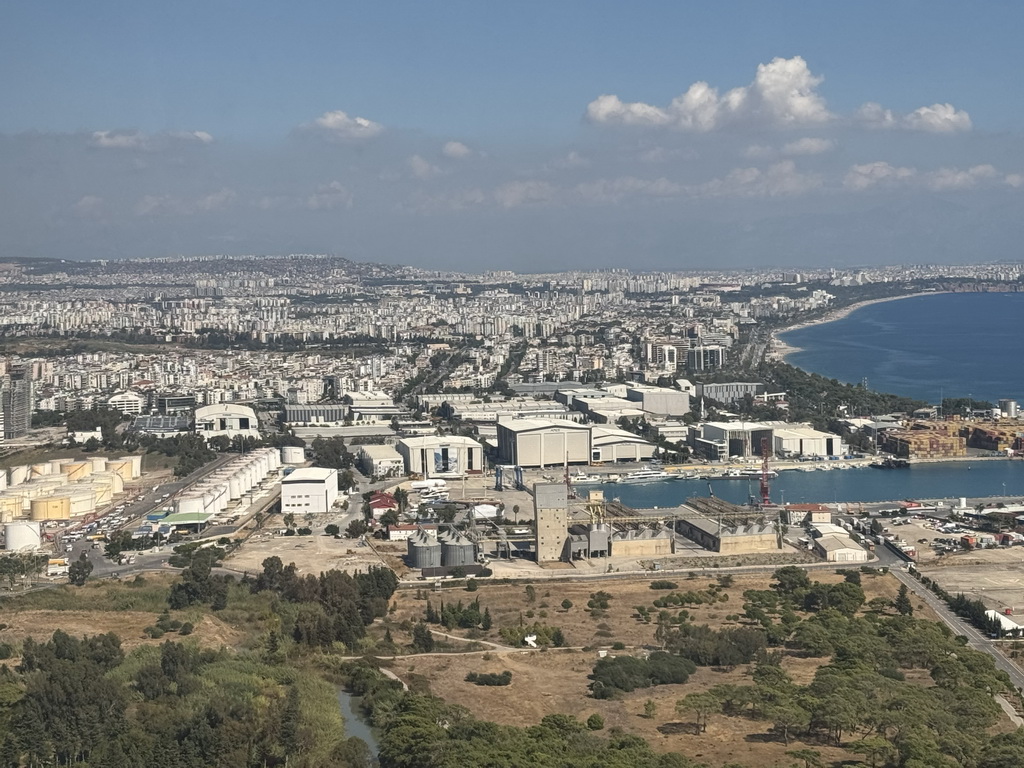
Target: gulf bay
[{"x": 925, "y": 347}]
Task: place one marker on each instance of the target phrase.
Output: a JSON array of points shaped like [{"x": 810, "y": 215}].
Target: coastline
[{"x": 780, "y": 350}]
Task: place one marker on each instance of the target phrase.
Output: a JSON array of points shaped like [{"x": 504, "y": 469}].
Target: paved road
[{"x": 975, "y": 639}]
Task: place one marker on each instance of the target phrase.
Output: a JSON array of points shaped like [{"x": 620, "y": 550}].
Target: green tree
[
  {"x": 332, "y": 530},
  {"x": 875, "y": 748},
  {"x": 650, "y": 709},
  {"x": 811, "y": 758},
  {"x": 566, "y": 604},
  {"x": 595, "y": 722},
  {"x": 289, "y": 520},
  {"x": 902, "y": 602},
  {"x": 703, "y": 705},
  {"x": 80, "y": 570},
  {"x": 422, "y": 638}
]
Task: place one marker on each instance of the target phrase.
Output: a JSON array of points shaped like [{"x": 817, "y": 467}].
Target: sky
[{"x": 532, "y": 136}]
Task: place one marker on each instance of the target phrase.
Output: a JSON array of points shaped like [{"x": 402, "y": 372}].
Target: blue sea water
[
  {"x": 925, "y": 347},
  {"x": 942, "y": 480}
]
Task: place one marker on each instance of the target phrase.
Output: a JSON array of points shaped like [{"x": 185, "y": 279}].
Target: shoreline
[{"x": 781, "y": 351}]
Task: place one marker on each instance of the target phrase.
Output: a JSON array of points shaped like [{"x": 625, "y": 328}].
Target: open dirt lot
[
  {"x": 994, "y": 576},
  {"x": 313, "y": 554}
]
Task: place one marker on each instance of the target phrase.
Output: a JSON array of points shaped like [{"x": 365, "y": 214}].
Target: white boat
[
  {"x": 582, "y": 478},
  {"x": 646, "y": 476}
]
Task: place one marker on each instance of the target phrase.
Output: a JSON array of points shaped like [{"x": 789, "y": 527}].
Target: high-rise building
[{"x": 16, "y": 402}]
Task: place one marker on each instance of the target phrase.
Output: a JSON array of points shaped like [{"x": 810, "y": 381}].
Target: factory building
[
  {"x": 309, "y": 490},
  {"x": 226, "y": 419},
  {"x": 307, "y": 414},
  {"x": 380, "y": 461},
  {"x": 719, "y": 526},
  {"x": 543, "y": 443},
  {"x": 613, "y": 444},
  {"x": 835, "y": 545},
  {"x": 659, "y": 401},
  {"x": 441, "y": 456},
  {"x": 551, "y": 518}
]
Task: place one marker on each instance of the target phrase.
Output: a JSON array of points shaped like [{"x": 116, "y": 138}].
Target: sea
[{"x": 924, "y": 347}]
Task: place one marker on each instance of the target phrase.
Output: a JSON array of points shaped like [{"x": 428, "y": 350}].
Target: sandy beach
[{"x": 780, "y": 350}]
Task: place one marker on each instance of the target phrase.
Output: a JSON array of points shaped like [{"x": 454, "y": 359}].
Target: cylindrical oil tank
[
  {"x": 123, "y": 467},
  {"x": 10, "y": 506},
  {"x": 78, "y": 471},
  {"x": 51, "y": 508},
  {"x": 189, "y": 505},
  {"x": 424, "y": 551},
  {"x": 136, "y": 462},
  {"x": 51, "y": 481},
  {"x": 114, "y": 480},
  {"x": 276, "y": 457},
  {"x": 83, "y": 501},
  {"x": 55, "y": 465},
  {"x": 103, "y": 492},
  {"x": 17, "y": 475},
  {"x": 234, "y": 487},
  {"x": 457, "y": 551},
  {"x": 99, "y": 463},
  {"x": 43, "y": 469},
  {"x": 22, "y": 534},
  {"x": 3, "y": 480}
]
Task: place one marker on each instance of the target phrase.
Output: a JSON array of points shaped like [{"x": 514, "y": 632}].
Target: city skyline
[{"x": 532, "y": 139}]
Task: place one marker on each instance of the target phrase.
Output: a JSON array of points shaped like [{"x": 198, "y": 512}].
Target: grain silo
[
  {"x": 22, "y": 534},
  {"x": 192, "y": 504},
  {"x": 234, "y": 487},
  {"x": 275, "y": 459},
  {"x": 424, "y": 550},
  {"x": 457, "y": 550},
  {"x": 57, "y": 507},
  {"x": 17, "y": 475}
]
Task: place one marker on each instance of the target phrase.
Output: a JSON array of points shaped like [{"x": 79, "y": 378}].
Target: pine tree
[
  {"x": 902, "y": 602},
  {"x": 485, "y": 623}
]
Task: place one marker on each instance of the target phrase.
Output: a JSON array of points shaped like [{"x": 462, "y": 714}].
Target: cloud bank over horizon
[{"x": 760, "y": 173}]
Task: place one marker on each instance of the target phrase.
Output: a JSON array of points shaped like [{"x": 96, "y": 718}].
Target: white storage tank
[
  {"x": 99, "y": 463},
  {"x": 42, "y": 469},
  {"x": 103, "y": 492},
  {"x": 136, "y": 465},
  {"x": 57, "y": 507},
  {"x": 78, "y": 471},
  {"x": 275, "y": 457},
  {"x": 22, "y": 534},
  {"x": 51, "y": 482},
  {"x": 57, "y": 464},
  {"x": 234, "y": 487},
  {"x": 83, "y": 501},
  {"x": 18, "y": 475},
  {"x": 189, "y": 505},
  {"x": 10, "y": 508}
]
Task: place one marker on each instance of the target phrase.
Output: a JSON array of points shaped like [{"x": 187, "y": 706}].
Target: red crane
[{"x": 766, "y": 498}]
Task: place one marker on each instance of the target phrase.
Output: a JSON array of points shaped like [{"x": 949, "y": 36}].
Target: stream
[{"x": 355, "y": 725}]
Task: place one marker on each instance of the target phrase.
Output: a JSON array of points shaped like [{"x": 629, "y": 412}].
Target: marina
[{"x": 933, "y": 480}]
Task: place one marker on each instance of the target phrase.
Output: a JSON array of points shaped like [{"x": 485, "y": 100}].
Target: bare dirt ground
[
  {"x": 994, "y": 576},
  {"x": 313, "y": 554}
]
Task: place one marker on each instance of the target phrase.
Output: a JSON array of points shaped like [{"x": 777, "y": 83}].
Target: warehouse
[
  {"x": 226, "y": 419},
  {"x": 613, "y": 444},
  {"x": 380, "y": 461},
  {"x": 835, "y": 545},
  {"x": 543, "y": 443},
  {"x": 311, "y": 490},
  {"x": 796, "y": 440},
  {"x": 441, "y": 456},
  {"x": 307, "y": 414}
]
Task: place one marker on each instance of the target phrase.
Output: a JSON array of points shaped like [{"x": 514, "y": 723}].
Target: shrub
[
  {"x": 489, "y": 678},
  {"x": 186, "y": 629},
  {"x": 662, "y": 584},
  {"x": 305, "y": 531},
  {"x": 595, "y": 722}
]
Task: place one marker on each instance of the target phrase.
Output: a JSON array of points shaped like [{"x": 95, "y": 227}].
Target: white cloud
[
  {"x": 329, "y": 197},
  {"x": 456, "y": 150},
  {"x": 782, "y": 93},
  {"x": 953, "y": 179},
  {"x": 938, "y": 118},
  {"x": 169, "y": 205},
  {"x": 146, "y": 141},
  {"x": 518, "y": 193},
  {"x": 339, "y": 126},
  {"x": 779, "y": 180},
  {"x": 88, "y": 206},
  {"x": 808, "y": 146},
  {"x": 615, "y": 190},
  {"x": 572, "y": 160},
  {"x": 1014, "y": 180},
  {"x": 868, "y": 175},
  {"x": 111, "y": 140},
  {"x": 421, "y": 168},
  {"x": 756, "y": 151}
]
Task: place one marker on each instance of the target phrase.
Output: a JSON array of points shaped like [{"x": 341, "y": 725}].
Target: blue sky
[{"x": 469, "y": 134}]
